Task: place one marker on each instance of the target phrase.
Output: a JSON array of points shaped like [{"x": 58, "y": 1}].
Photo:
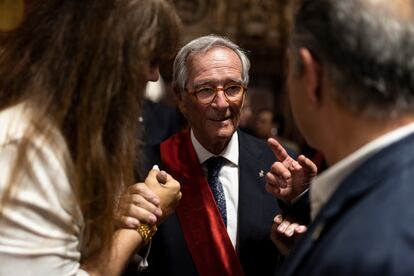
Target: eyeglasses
[{"x": 232, "y": 92}]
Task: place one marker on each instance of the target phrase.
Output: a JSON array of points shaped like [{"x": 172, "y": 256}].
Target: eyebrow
[{"x": 217, "y": 83}]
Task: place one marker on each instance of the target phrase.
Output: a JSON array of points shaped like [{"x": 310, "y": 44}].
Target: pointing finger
[{"x": 279, "y": 151}]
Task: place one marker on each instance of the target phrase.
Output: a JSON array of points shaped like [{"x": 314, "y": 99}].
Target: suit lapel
[
  {"x": 251, "y": 187},
  {"x": 362, "y": 181}
]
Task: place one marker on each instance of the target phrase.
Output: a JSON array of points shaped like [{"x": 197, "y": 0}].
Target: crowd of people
[{"x": 81, "y": 193}]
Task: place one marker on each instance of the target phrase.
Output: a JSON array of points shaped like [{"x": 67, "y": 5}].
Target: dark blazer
[
  {"x": 159, "y": 121},
  {"x": 367, "y": 226},
  {"x": 258, "y": 255}
]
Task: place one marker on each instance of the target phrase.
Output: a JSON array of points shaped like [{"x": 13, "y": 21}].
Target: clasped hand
[{"x": 149, "y": 202}]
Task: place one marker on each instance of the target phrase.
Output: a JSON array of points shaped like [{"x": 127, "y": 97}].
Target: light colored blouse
[{"x": 41, "y": 225}]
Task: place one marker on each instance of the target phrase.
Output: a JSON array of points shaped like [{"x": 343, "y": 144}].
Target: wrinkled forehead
[{"x": 218, "y": 64}]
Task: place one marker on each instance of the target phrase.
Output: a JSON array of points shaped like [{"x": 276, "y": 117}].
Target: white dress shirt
[
  {"x": 228, "y": 176},
  {"x": 324, "y": 185}
]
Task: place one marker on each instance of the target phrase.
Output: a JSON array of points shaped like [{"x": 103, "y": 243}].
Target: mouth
[{"x": 220, "y": 119}]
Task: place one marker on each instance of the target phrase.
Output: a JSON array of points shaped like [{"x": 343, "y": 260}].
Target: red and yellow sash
[{"x": 204, "y": 231}]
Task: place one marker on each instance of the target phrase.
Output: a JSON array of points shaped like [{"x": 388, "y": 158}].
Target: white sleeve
[{"x": 40, "y": 226}]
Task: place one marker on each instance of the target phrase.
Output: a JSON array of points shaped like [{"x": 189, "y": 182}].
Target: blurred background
[{"x": 260, "y": 27}]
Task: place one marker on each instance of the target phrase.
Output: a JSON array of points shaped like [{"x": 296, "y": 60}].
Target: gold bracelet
[{"x": 147, "y": 232}]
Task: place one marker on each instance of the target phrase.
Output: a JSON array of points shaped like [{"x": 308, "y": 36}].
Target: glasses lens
[
  {"x": 234, "y": 91},
  {"x": 205, "y": 95}
]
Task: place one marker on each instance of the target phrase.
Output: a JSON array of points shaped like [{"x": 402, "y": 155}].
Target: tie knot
[{"x": 214, "y": 165}]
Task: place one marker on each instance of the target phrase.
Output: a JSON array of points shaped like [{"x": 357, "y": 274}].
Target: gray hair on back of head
[
  {"x": 202, "y": 45},
  {"x": 366, "y": 48}
]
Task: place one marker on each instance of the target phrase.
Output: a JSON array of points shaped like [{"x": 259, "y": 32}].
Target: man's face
[
  {"x": 302, "y": 114},
  {"x": 214, "y": 123}
]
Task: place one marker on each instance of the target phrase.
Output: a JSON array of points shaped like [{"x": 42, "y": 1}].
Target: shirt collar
[
  {"x": 324, "y": 185},
  {"x": 230, "y": 152}
]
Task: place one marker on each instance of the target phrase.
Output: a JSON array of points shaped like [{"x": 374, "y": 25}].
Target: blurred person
[
  {"x": 264, "y": 126},
  {"x": 158, "y": 120},
  {"x": 269, "y": 125},
  {"x": 70, "y": 88},
  {"x": 222, "y": 224},
  {"x": 246, "y": 115},
  {"x": 353, "y": 100}
]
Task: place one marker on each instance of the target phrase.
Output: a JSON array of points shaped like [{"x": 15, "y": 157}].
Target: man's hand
[
  {"x": 166, "y": 188},
  {"x": 150, "y": 202},
  {"x": 288, "y": 178},
  {"x": 285, "y": 233}
]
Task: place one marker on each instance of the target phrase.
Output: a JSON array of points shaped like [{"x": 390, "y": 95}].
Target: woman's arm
[{"x": 127, "y": 241}]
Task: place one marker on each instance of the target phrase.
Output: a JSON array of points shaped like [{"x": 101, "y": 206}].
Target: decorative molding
[{"x": 193, "y": 11}]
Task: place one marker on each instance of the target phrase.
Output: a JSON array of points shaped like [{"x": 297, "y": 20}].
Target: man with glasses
[{"x": 222, "y": 225}]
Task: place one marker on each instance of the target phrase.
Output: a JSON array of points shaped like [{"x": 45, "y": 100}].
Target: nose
[
  {"x": 152, "y": 73},
  {"x": 220, "y": 101}
]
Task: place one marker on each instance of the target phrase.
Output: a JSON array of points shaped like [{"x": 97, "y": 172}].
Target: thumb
[
  {"x": 151, "y": 178},
  {"x": 308, "y": 166},
  {"x": 162, "y": 177}
]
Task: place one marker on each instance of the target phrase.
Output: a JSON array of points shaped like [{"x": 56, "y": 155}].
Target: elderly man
[
  {"x": 222, "y": 224},
  {"x": 351, "y": 87}
]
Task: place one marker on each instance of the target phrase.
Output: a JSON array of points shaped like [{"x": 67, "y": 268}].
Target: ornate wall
[{"x": 259, "y": 26}]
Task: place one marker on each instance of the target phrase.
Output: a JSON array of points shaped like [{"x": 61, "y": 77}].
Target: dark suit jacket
[
  {"x": 258, "y": 255},
  {"x": 159, "y": 122},
  {"x": 367, "y": 226}
]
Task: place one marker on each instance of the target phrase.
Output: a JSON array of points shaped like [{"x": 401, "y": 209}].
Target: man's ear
[
  {"x": 179, "y": 99},
  {"x": 312, "y": 75},
  {"x": 177, "y": 93}
]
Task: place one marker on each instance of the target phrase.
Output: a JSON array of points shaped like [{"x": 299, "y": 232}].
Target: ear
[
  {"x": 180, "y": 99},
  {"x": 312, "y": 76}
]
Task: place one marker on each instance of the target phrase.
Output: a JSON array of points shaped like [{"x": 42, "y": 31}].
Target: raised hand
[{"x": 288, "y": 178}]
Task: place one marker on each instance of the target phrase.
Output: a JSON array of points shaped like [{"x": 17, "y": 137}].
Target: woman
[{"x": 70, "y": 82}]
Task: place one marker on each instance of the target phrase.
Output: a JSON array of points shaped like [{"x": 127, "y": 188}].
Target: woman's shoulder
[
  {"x": 42, "y": 217},
  {"x": 13, "y": 122},
  {"x": 43, "y": 173}
]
